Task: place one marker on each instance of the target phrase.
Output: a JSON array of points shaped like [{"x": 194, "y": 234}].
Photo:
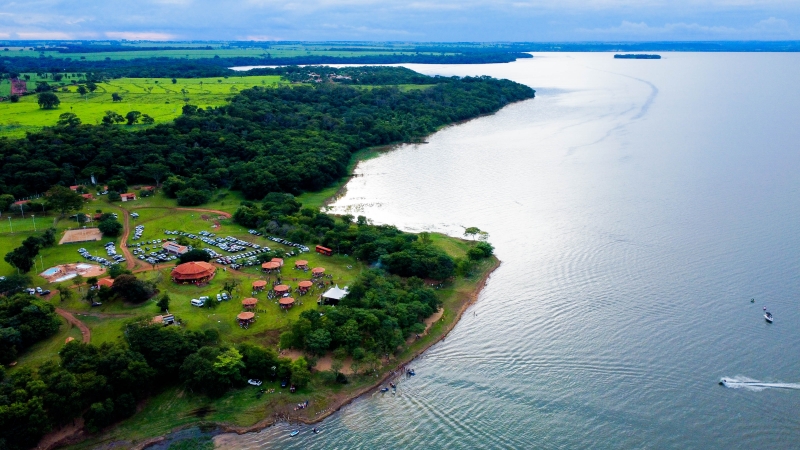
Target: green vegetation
[
  {"x": 267, "y": 145},
  {"x": 289, "y": 139},
  {"x": 158, "y": 98},
  {"x": 24, "y": 321}
]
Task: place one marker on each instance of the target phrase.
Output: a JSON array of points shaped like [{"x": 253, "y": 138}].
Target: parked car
[{"x": 254, "y": 382}]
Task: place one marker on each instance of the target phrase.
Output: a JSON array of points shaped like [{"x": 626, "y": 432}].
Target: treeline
[
  {"x": 103, "y": 383},
  {"x": 289, "y": 139},
  {"x": 24, "y": 321},
  {"x": 167, "y": 67},
  {"x": 398, "y": 252},
  {"x": 374, "y": 319}
]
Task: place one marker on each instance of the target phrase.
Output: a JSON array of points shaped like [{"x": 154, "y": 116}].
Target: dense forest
[
  {"x": 166, "y": 67},
  {"x": 289, "y": 139}
]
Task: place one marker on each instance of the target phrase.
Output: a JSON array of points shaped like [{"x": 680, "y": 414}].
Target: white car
[{"x": 254, "y": 382}]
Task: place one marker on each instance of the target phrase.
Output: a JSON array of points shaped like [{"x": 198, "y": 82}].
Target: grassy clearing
[
  {"x": 157, "y": 97},
  {"x": 48, "y": 257},
  {"x": 48, "y": 349}
]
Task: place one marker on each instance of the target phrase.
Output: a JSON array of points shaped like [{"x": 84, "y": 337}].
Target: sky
[{"x": 403, "y": 20}]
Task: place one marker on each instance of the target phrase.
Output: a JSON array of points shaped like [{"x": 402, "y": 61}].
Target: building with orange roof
[{"x": 193, "y": 272}]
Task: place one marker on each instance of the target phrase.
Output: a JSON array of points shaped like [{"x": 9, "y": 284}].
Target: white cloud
[
  {"x": 140, "y": 35},
  {"x": 776, "y": 27},
  {"x": 44, "y": 35}
]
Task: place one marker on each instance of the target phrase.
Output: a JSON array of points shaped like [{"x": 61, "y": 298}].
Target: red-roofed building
[
  {"x": 21, "y": 202},
  {"x": 128, "y": 197},
  {"x": 87, "y": 196},
  {"x": 107, "y": 282}
]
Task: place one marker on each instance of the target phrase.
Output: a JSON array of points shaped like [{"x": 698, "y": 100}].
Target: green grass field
[
  {"x": 275, "y": 51},
  {"x": 157, "y": 97}
]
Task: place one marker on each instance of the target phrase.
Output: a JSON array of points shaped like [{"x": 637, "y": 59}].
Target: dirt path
[
  {"x": 85, "y": 331},
  {"x": 130, "y": 261}
]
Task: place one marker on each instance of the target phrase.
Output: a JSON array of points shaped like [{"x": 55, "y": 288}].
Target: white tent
[{"x": 334, "y": 294}]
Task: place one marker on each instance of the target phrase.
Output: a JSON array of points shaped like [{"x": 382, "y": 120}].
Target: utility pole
[
  {"x": 9, "y": 224},
  {"x": 34, "y": 222}
]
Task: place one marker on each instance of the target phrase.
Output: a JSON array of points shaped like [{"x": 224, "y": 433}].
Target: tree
[
  {"x": 131, "y": 289},
  {"x": 14, "y": 98},
  {"x": 163, "y": 302},
  {"x": 193, "y": 197},
  {"x": 82, "y": 90},
  {"x": 68, "y": 120},
  {"x": 5, "y": 201},
  {"x": 48, "y": 100},
  {"x": 112, "y": 117},
  {"x": 117, "y": 184},
  {"x": 114, "y": 196},
  {"x": 174, "y": 81},
  {"x": 132, "y": 117},
  {"x": 65, "y": 294},
  {"x": 195, "y": 255},
  {"x": 14, "y": 283},
  {"x": 91, "y": 86},
  {"x": 472, "y": 231},
  {"x": 110, "y": 228},
  {"x": 147, "y": 120},
  {"x": 156, "y": 171},
  {"x": 115, "y": 97},
  {"x": 300, "y": 373},
  {"x": 20, "y": 259},
  {"x": 63, "y": 200},
  {"x": 318, "y": 341}
]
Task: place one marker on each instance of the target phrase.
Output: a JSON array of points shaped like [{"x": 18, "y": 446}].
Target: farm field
[
  {"x": 157, "y": 97},
  {"x": 200, "y": 51}
]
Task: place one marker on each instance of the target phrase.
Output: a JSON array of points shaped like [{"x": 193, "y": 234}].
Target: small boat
[
  {"x": 722, "y": 382},
  {"x": 752, "y": 300},
  {"x": 411, "y": 372},
  {"x": 768, "y": 316},
  {"x": 385, "y": 389},
  {"x": 294, "y": 433},
  {"x": 317, "y": 431}
]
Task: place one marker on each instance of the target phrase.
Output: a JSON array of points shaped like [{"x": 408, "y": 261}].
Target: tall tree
[
  {"x": 48, "y": 100},
  {"x": 63, "y": 200}
]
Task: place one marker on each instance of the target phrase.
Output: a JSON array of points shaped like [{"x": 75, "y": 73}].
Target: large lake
[{"x": 638, "y": 207}]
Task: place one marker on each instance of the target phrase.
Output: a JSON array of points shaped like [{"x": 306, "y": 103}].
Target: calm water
[{"x": 637, "y": 206}]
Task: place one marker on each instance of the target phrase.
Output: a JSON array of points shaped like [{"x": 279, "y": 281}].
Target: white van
[{"x": 198, "y": 302}]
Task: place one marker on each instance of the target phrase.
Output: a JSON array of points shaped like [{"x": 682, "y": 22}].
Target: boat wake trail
[{"x": 740, "y": 382}]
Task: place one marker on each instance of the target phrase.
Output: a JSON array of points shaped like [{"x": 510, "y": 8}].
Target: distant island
[{"x": 637, "y": 56}]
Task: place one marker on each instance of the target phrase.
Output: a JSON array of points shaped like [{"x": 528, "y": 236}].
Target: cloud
[
  {"x": 36, "y": 35},
  {"x": 140, "y": 35},
  {"x": 431, "y": 20},
  {"x": 777, "y": 28},
  {"x": 260, "y": 38}
]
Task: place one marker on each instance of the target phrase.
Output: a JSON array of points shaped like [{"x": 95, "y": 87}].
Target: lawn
[
  {"x": 157, "y": 97},
  {"x": 48, "y": 257}
]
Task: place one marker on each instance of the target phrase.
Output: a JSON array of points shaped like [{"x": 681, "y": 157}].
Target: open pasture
[{"x": 156, "y": 97}]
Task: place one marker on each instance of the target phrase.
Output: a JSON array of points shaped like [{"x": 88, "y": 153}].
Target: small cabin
[{"x": 324, "y": 250}]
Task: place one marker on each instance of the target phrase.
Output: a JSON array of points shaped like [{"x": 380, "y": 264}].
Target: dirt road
[{"x": 85, "y": 331}]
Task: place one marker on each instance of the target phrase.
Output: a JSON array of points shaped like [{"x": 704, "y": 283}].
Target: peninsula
[{"x": 225, "y": 295}]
